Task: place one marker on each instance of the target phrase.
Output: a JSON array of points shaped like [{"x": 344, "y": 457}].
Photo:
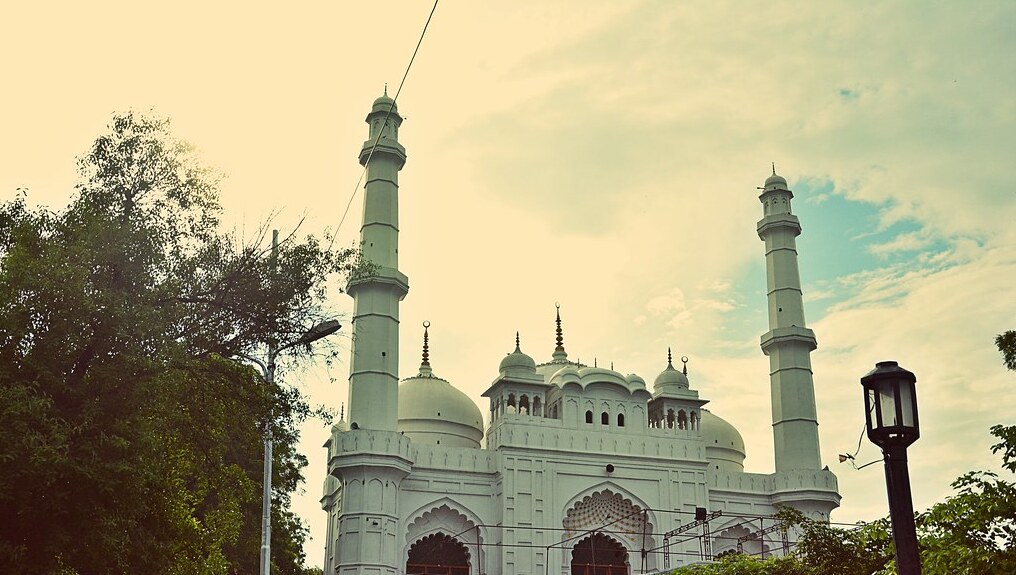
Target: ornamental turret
[{"x": 788, "y": 343}]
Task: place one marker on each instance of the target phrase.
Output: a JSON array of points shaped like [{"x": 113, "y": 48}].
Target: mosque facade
[{"x": 578, "y": 470}]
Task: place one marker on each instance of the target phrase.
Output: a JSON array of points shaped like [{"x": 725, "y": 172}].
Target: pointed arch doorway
[
  {"x": 599, "y": 555},
  {"x": 438, "y": 554}
]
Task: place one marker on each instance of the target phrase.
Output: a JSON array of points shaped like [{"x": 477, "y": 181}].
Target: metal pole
[
  {"x": 901, "y": 510},
  {"x": 266, "y": 494}
]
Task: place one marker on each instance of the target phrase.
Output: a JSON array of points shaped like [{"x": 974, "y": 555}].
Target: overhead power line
[{"x": 387, "y": 116}]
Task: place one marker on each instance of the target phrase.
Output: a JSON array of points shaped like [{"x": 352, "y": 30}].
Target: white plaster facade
[{"x": 569, "y": 449}]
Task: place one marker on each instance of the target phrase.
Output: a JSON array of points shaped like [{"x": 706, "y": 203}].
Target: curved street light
[{"x": 319, "y": 331}]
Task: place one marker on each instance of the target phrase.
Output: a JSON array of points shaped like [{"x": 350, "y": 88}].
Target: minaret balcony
[
  {"x": 779, "y": 221},
  {"x": 387, "y": 148},
  {"x": 398, "y": 281},
  {"x": 783, "y": 335}
]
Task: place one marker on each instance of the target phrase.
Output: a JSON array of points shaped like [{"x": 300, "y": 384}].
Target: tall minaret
[
  {"x": 788, "y": 343},
  {"x": 373, "y": 376}
]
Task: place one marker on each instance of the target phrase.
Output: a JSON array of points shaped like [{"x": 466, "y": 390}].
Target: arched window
[
  {"x": 620, "y": 420},
  {"x": 524, "y": 404},
  {"x": 694, "y": 420},
  {"x": 537, "y": 406},
  {"x": 589, "y": 416},
  {"x": 670, "y": 419},
  {"x": 682, "y": 420},
  {"x": 605, "y": 418}
]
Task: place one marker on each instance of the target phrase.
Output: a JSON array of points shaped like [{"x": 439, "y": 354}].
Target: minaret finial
[
  {"x": 426, "y": 344},
  {"x": 684, "y": 360},
  {"x": 342, "y": 412},
  {"x": 559, "y": 352},
  {"x": 670, "y": 359},
  {"x": 774, "y": 168},
  {"x": 386, "y": 89},
  {"x": 517, "y": 348}
]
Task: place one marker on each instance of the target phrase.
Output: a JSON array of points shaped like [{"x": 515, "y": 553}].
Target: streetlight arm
[
  {"x": 319, "y": 331},
  {"x": 256, "y": 361}
]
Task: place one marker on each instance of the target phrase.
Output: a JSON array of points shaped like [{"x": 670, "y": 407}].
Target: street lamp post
[
  {"x": 890, "y": 406},
  {"x": 321, "y": 330}
]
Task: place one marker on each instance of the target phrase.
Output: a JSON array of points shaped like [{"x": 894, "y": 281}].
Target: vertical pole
[
  {"x": 266, "y": 493},
  {"x": 901, "y": 510},
  {"x": 645, "y": 525},
  {"x": 707, "y": 544}
]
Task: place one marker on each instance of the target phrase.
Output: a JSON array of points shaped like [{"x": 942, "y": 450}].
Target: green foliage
[
  {"x": 738, "y": 564},
  {"x": 974, "y": 531},
  {"x": 833, "y": 551},
  {"x": 1006, "y": 343},
  {"x": 129, "y": 442}
]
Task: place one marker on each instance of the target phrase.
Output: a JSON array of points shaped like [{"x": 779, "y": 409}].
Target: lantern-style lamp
[
  {"x": 890, "y": 403},
  {"x": 890, "y": 407}
]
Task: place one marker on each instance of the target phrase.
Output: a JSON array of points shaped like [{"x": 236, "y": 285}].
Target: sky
[{"x": 604, "y": 156}]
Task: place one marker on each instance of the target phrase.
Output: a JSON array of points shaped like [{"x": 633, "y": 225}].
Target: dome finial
[
  {"x": 684, "y": 360},
  {"x": 774, "y": 168},
  {"x": 559, "y": 352},
  {"x": 426, "y": 344},
  {"x": 342, "y": 412},
  {"x": 517, "y": 348},
  {"x": 670, "y": 359},
  {"x": 386, "y": 92}
]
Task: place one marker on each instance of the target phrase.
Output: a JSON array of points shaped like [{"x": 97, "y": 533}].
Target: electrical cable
[{"x": 387, "y": 116}]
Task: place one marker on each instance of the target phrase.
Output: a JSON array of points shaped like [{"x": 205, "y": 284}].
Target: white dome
[
  {"x": 432, "y": 411},
  {"x": 776, "y": 182},
  {"x": 517, "y": 362},
  {"x": 670, "y": 380},
  {"x": 724, "y": 445},
  {"x": 383, "y": 104},
  {"x": 635, "y": 382}
]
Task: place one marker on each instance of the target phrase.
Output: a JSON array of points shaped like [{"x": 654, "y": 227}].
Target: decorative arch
[
  {"x": 725, "y": 542},
  {"x": 450, "y": 518},
  {"x": 599, "y": 554},
  {"x": 607, "y": 503},
  {"x": 438, "y": 554}
]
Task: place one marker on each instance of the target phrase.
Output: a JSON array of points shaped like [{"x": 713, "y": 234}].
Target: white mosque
[{"x": 580, "y": 470}]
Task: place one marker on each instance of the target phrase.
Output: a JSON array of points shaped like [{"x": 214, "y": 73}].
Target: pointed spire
[
  {"x": 342, "y": 412},
  {"x": 559, "y": 353},
  {"x": 517, "y": 348},
  {"x": 670, "y": 359},
  {"x": 425, "y": 369},
  {"x": 386, "y": 95},
  {"x": 774, "y": 168}
]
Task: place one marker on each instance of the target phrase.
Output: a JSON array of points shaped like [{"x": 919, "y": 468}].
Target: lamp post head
[
  {"x": 890, "y": 405},
  {"x": 321, "y": 330}
]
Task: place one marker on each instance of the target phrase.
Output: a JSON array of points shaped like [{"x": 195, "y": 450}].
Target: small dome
[
  {"x": 383, "y": 104},
  {"x": 517, "y": 362},
  {"x": 670, "y": 380},
  {"x": 724, "y": 445},
  {"x": 433, "y": 411},
  {"x": 776, "y": 182},
  {"x": 635, "y": 382}
]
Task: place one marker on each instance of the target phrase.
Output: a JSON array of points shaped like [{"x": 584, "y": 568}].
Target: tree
[
  {"x": 1006, "y": 344},
  {"x": 130, "y": 439}
]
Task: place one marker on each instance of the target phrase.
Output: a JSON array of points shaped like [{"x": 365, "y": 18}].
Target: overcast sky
[{"x": 604, "y": 156}]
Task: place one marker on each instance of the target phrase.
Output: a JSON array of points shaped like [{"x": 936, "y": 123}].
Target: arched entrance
[
  {"x": 438, "y": 554},
  {"x": 599, "y": 555}
]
